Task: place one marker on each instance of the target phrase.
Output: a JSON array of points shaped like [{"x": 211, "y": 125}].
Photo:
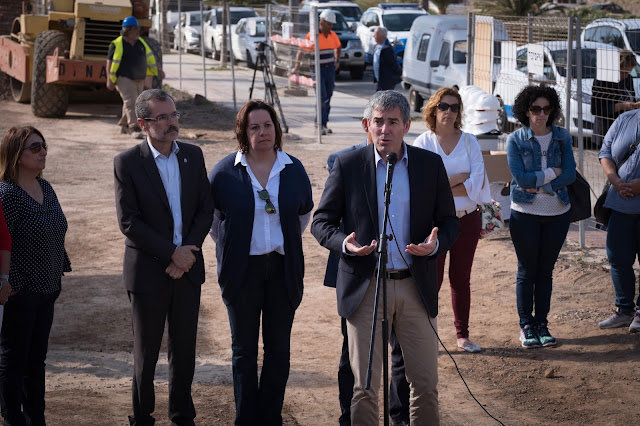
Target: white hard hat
[{"x": 328, "y": 15}]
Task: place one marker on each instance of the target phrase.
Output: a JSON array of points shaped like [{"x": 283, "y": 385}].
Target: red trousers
[{"x": 460, "y": 262}]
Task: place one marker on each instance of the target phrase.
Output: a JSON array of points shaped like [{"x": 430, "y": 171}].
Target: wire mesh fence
[{"x": 510, "y": 53}]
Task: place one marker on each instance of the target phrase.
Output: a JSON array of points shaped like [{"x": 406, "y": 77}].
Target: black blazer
[
  {"x": 390, "y": 71},
  {"x": 350, "y": 195},
  {"x": 145, "y": 217},
  {"x": 234, "y": 202}
]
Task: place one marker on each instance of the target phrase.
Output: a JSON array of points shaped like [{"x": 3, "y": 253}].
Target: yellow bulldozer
[{"x": 49, "y": 54}]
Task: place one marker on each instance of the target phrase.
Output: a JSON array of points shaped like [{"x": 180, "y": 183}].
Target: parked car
[
  {"x": 188, "y": 36},
  {"x": 213, "y": 27},
  {"x": 249, "y": 33},
  {"x": 511, "y": 81},
  {"x": 350, "y": 10},
  {"x": 436, "y": 55},
  {"x": 397, "y": 18},
  {"x": 351, "y": 54},
  {"x": 621, "y": 33}
]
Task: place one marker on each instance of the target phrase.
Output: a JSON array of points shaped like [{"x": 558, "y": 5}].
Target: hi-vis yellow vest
[{"x": 152, "y": 69}]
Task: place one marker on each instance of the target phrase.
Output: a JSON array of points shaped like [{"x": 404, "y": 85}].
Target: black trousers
[
  {"x": 398, "y": 387},
  {"x": 176, "y": 303},
  {"x": 263, "y": 296},
  {"x": 23, "y": 349}
]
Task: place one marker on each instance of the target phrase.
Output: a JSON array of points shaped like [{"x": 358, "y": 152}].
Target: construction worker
[
  {"x": 329, "y": 46},
  {"x": 131, "y": 66}
]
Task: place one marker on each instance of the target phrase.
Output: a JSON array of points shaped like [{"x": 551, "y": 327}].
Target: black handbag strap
[{"x": 632, "y": 149}]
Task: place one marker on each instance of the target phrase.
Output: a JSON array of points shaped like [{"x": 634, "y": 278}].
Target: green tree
[
  {"x": 441, "y": 4},
  {"x": 508, "y": 7}
]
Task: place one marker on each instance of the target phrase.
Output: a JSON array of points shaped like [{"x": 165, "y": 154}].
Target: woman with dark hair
[
  {"x": 462, "y": 158},
  {"x": 38, "y": 260},
  {"x": 609, "y": 100},
  {"x": 263, "y": 203},
  {"x": 541, "y": 161}
]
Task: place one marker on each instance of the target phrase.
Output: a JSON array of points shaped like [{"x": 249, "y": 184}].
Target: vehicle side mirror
[
  {"x": 434, "y": 63},
  {"x": 373, "y": 28},
  {"x": 354, "y": 26}
]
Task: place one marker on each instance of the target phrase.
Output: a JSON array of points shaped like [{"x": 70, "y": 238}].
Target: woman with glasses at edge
[
  {"x": 540, "y": 157},
  {"x": 462, "y": 159},
  {"x": 263, "y": 203},
  {"x": 38, "y": 260}
]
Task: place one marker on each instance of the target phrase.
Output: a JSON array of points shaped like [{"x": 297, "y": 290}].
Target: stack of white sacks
[{"x": 480, "y": 117}]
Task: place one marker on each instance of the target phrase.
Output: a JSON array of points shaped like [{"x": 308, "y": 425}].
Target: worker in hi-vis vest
[
  {"x": 131, "y": 66},
  {"x": 329, "y": 47}
]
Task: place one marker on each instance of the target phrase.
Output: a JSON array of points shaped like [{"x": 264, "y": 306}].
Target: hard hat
[
  {"x": 328, "y": 15},
  {"x": 130, "y": 21}
]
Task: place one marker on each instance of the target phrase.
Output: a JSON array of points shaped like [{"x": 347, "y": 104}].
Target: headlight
[
  {"x": 586, "y": 98},
  {"x": 354, "y": 44}
]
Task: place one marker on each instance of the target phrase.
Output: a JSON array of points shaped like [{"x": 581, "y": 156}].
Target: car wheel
[
  {"x": 250, "y": 62},
  {"x": 415, "y": 100},
  {"x": 503, "y": 121},
  {"x": 357, "y": 72}
]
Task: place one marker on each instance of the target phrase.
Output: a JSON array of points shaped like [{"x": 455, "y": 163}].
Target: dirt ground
[{"x": 591, "y": 377}]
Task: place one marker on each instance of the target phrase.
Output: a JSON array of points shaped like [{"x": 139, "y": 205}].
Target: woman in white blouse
[
  {"x": 462, "y": 158},
  {"x": 263, "y": 203}
]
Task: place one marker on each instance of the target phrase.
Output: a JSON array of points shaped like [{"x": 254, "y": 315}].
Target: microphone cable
[{"x": 410, "y": 267}]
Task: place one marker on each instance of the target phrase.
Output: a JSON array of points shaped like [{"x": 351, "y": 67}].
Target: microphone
[{"x": 392, "y": 158}]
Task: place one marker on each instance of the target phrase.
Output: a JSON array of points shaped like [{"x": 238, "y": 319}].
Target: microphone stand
[{"x": 381, "y": 281}]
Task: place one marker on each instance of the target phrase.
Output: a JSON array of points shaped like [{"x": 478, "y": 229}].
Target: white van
[{"x": 435, "y": 56}]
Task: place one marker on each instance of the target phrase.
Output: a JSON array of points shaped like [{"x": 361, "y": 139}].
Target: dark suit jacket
[
  {"x": 234, "y": 202},
  {"x": 145, "y": 217},
  {"x": 390, "y": 71},
  {"x": 350, "y": 195}
]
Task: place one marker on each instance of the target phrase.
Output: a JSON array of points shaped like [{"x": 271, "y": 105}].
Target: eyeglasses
[
  {"x": 269, "y": 207},
  {"x": 535, "y": 109},
  {"x": 165, "y": 117},
  {"x": 36, "y": 147},
  {"x": 443, "y": 106}
]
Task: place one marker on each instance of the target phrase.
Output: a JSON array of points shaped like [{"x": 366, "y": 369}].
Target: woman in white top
[
  {"x": 462, "y": 158},
  {"x": 263, "y": 203}
]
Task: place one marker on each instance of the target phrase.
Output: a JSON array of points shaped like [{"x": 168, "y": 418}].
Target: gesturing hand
[
  {"x": 5, "y": 291},
  {"x": 183, "y": 257},
  {"x": 424, "y": 249},
  {"x": 354, "y": 247}
]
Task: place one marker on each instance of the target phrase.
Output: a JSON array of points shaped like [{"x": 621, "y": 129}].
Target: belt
[{"x": 399, "y": 274}]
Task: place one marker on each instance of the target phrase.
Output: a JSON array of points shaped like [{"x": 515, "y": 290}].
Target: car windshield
[
  {"x": 238, "y": 15},
  {"x": 351, "y": 13},
  {"x": 399, "y": 21},
  {"x": 589, "y": 64},
  {"x": 194, "y": 21},
  {"x": 634, "y": 39}
]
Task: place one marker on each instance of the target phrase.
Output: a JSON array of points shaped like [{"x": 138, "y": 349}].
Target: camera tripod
[{"x": 270, "y": 90}]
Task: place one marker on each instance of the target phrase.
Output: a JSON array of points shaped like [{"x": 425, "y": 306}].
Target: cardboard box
[{"x": 495, "y": 162}]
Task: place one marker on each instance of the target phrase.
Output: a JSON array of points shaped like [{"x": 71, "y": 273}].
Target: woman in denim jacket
[{"x": 541, "y": 161}]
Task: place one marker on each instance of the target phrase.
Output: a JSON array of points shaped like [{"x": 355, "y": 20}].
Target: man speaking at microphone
[{"x": 423, "y": 223}]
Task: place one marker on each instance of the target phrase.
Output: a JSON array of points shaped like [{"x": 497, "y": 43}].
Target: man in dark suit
[
  {"x": 424, "y": 224},
  {"x": 165, "y": 211},
  {"x": 398, "y": 388},
  {"x": 387, "y": 72}
]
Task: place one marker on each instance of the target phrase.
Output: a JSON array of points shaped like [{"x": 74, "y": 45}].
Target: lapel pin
[{"x": 184, "y": 159}]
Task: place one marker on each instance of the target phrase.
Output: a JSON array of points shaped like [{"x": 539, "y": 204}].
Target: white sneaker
[
  {"x": 635, "y": 325},
  {"x": 617, "y": 319}
]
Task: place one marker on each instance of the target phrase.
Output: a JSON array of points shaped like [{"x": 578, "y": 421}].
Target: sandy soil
[{"x": 592, "y": 377}]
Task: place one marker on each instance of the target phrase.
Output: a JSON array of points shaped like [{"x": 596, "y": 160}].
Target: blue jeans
[
  {"x": 537, "y": 241},
  {"x": 263, "y": 294},
  {"x": 23, "y": 349},
  {"x": 328, "y": 82},
  {"x": 623, "y": 246}
]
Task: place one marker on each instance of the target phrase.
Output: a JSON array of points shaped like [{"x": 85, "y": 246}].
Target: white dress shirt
[{"x": 170, "y": 174}]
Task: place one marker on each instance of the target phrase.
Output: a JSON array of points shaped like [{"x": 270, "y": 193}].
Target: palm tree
[{"x": 508, "y": 7}]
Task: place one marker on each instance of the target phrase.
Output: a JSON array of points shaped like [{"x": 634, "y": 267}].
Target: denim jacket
[{"x": 525, "y": 161}]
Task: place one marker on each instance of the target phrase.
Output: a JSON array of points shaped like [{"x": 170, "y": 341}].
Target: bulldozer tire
[
  {"x": 157, "y": 52},
  {"x": 21, "y": 92},
  {"x": 48, "y": 100}
]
